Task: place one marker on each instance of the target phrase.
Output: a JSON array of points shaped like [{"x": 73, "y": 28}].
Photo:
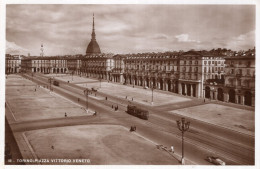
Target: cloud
[
  {"x": 185, "y": 38},
  {"x": 160, "y": 36},
  {"x": 66, "y": 29},
  {"x": 243, "y": 41},
  {"x": 12, "y": 48}
]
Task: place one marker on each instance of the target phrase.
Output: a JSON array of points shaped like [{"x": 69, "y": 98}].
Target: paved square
[
  {"x": 28, "y": 104},
  {"x": 233, "y": 118},
  {"x": 138, "y": 94},
  {"x": 102, "y": 144}
]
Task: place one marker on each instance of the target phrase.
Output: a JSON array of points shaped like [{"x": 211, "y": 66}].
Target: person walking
[{"x": 65, "y": 114}]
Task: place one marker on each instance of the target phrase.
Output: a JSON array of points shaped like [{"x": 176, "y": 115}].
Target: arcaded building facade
[
  {"x": 152, "y": 70},
  {"x": 45, "y": 64},
  {"x": 240, "y": 78},
  {"x": 12, "y": 64}
]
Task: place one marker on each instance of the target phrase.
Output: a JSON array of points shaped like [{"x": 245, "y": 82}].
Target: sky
[{"x": 66, "y": 29}]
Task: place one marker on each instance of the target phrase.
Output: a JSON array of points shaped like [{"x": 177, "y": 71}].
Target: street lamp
[
  {"x": 183, "y": 126},
  {"x": 152, "y": 93},
  {"x": 50, "y": 80},
  {"x": 100, "y": 79},
  {"x": 86, "y": 93}
]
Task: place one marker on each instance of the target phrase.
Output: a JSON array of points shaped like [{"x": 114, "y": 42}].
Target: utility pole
[
  {"x": 86, "y": 93},
  {"x": 183, "y": 126},
  {"x": 152, "y": 94}
]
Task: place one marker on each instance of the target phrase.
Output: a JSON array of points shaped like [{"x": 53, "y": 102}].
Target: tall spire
[{"x": 93, "y": 29}]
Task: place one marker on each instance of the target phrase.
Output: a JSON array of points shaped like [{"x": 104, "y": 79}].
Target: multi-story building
[
  {"x": 12, "y": 63},
  {"x": 154, "y": 70},
  {"x": 74, "y": 64},
  {"x": 98, "y": 66},
  {"x": 213, "y": 65},
  {"x": 240, "y": 78},
  {"x": 45, "y": 64},
  {"x": 117, "y": 73}
]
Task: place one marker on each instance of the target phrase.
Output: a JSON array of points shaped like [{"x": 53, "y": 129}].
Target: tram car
[
  {"x": 137, "y": 112},
  {"x": 56, "y": 83}
]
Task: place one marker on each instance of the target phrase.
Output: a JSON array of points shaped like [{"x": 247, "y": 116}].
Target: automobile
[
  {"x": 145, "y": 87},
  {"x": 94, "y": 89},
  {"x": 215, "y": 160}
]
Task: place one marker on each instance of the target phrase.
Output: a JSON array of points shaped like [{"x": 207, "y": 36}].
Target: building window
[
  {"x": 248, "y": 71},
  {"x": 205, "y": 62},
  {"x": 209, "y": 62},
  {"x": 196, "y": 69},
  {"x": 231, "y": 82},
  {"x": 196, "y": 62},
  {"x": 239, "y": 82},
  {"x": 240, "y": 71},
  {"x": 232, "y": 71},
  {"x": 205, "y": 69},
  {"x": 248, "y": 64},
  {"x": 184, "y": 62}
]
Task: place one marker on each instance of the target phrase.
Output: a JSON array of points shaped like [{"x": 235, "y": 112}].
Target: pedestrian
[
  {"x": 172, "y": 149},
  {"x": 65, "y": 114},
  {"x": 95, "y": 113},
  {"x": 106, "y": 98},
  {"x": 112, "y": 106},
  {"x": 78, "y": 99},
  {"x": 52, "y": 147},
  {"x": 35, "y": 89}
]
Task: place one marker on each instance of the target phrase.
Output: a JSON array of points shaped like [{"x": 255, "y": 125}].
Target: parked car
[
  {"x": 215, "y": 160},
  {"x": 94, "y": 89},
  {"x": 56, "y": 83}
]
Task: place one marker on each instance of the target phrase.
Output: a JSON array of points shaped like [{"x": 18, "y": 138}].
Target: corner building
[{"x": 240, "y": 78}]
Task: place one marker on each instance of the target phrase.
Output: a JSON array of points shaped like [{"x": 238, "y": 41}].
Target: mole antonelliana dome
[{"x": 93, "y": 47}]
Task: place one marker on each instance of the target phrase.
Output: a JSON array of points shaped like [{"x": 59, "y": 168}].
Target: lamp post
[
  {"x": 183, "y": 126},
  {"x": 86, "y": 93},
  {"x": 100, "y": 79},
  {"x": 50, "y": 80},
  {"x": 152, "y": 94}
]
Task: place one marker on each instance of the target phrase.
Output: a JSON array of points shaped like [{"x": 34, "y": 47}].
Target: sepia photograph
[{"x": 130, "y": 84}]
